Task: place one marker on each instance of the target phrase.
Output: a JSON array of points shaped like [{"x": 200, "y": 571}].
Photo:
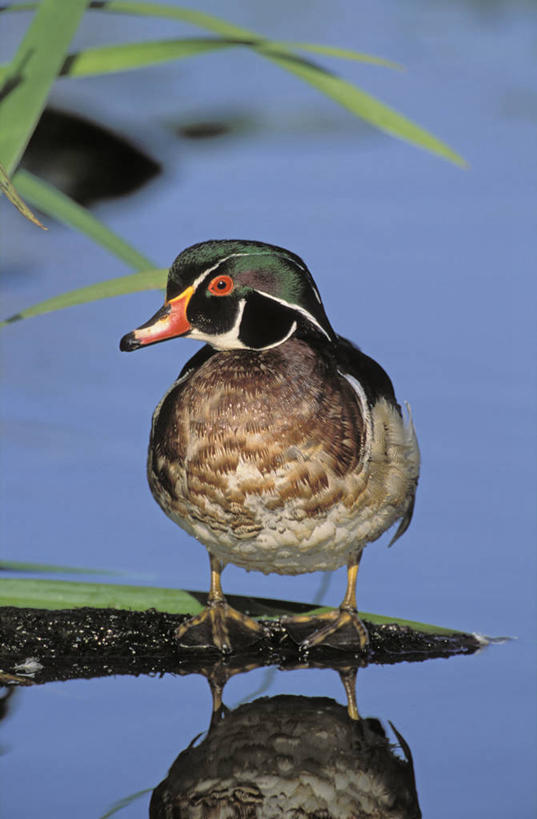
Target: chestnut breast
[{"x": 252, "y": 451}]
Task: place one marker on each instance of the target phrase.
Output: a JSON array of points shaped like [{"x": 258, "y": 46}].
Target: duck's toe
[
  {"x": 219, "y": 627},
  {"x": 341, "y": 629}
]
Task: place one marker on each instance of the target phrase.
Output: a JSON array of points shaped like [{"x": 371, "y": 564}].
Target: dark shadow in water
[
  {"x": 86, "y": 160},
  {"x": 290, "y": 756}
]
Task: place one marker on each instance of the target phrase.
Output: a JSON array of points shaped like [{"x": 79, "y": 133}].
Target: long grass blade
[
  {"x": 221, "y": 27},
  {"x": 49, "y": 568},
  {"x": 328, "y": 51},
  {"x": 283, "y": 54},
  {"x": 349, "y": 96},
  {"x": 30, "y": 75},
  {"x": 125, "y": 802},
  {"x": 107, "y": 59},
  {"x": 365, "y": 106},
  {"x": 148, "y": 280},
  {"x": 56, "y": 204},
  {"x": 62, "y": 594},
  {"x": 7, "y": 187}
]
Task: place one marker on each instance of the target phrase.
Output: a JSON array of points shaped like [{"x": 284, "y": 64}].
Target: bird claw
[
  {"x": 220, "y": 627},
  {"x": 340, "y": 629}
]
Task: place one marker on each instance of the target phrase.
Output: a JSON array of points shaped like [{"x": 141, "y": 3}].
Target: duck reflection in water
[{"x": 291, "y": 756}]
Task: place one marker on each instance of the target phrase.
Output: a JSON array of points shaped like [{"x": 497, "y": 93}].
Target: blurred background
[{"x": 428, "y": 267}]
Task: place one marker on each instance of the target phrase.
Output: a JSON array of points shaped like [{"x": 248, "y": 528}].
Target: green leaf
[
  {"x": 221, "y": 27},
  {"x": 125, "y": 802},
  {"x": 148, "y": 280},
  {"x": 56, "y": 204},
  {"x": 366, "y": 106},
  {"x": 169, "y": 12},
  {"x": 342, "y": 92},
  {"x": 27, "y": 82},
  {"x": 107, "y": 59},
  {"x": 61, "y": 594},
  {"x": 136, "y": 55},
  {"x": 48, "y": 568},
  {"x": 349, "y": 96},
  {"x": 7, "y": 187},
  {"x": 329, "y": 51}
]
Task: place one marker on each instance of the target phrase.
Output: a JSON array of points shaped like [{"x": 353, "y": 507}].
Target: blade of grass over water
[
  {"x": 342, "y": 92},
  {"x": 365, "y": 106},
  {"x": 330, "y": 51},
  {"x": 125, "y": 802},
  {"x": 136, "y": 282},
  {"x": 30, "y": 75},
  {"x": 216, "y": 25},
  {"x": 282, "y": 53},
  {"x": 49, "y": 568},
  {"x": 7, "y": 187},
  {"x": 56, "y": 204},
  {"x": 221, "y": 27},
  {"x": 127, "y": 56},
  {"x": 107, "y": 59},
  {"x": 61, "y": 594}
]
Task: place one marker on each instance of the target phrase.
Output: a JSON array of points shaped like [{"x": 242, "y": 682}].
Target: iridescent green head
[{"x": 236, "y": 294}]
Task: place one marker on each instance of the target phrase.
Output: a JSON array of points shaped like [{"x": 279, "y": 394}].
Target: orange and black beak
[{"x": 170, "y": 321}]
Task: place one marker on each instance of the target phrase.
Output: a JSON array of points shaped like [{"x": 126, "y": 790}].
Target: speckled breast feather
[{"x": 275, "y": 462}]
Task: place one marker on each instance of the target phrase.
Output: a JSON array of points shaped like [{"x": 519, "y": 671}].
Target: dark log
[{"x": 89, "y": 642}]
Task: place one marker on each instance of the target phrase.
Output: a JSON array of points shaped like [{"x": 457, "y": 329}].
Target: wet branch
[{"x": 89, "y": 642}]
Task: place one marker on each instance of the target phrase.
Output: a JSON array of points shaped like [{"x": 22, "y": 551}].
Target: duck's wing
[{"x": 375, "y": 381}]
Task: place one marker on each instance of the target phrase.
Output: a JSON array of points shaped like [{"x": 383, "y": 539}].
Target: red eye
[{"x": 221, "y": 285}]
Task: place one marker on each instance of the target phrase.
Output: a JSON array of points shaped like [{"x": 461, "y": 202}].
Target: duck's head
[{"x": 236, "y": 294}]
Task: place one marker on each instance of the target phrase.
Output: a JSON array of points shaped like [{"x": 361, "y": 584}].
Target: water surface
[{"x": 428, "y": 268}]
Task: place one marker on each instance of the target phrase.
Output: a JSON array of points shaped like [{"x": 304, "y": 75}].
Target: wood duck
[
  {"x": 281, "y": 446},
  {"x": 291, "y": 756}
]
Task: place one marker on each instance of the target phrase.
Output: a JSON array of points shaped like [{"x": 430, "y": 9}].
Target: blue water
[{"x": 429, "y": 268}]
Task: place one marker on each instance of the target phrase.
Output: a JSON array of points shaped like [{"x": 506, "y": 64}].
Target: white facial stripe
[
  {"x": 230, "y": 340},
  {"x": 224, "y": 341},
  {"x": 277, "y": 343},
  {"x": 245, "y": 253},
  {"x": 297, "y": 309},
  {"x": 215, "y": 267},
  {"x": 365, "y": 412}
]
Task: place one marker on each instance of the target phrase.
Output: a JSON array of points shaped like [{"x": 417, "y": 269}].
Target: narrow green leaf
[
  {"x": 344, "y": 93},
  {"x": 7, "y": 187},
  {"x": 169, "y": 12},
  {"x": 34, "y": 68},
  {"x": 148, "y": 280},
  {"x": 221, "y": 27},
  {"x": 107, "y": 59},
  {"x": 61, "y": 594},
  {"x": 126, "y": 56},
  {"x": 49, "y": 568},
  {"x": 365, "y": 106},
  {"x": 329, "y": 51},
  {"x": 49, "y": 200},
  {"x": 144, "y": 9},
  {"x": 125, "y": 802}
]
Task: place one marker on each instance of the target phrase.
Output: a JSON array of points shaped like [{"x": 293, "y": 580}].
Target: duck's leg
[
  {"x": 219, "y": 625},
  {"x": 348, "y": 678},
  {"x": 340, "y": 628}
]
